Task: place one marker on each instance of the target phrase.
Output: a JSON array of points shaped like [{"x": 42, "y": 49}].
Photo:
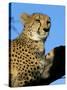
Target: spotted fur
[{"x": 26, "y": 52}]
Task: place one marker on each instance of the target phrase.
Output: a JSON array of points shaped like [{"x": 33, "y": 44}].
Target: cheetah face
[{"x": 37, "y": 26}]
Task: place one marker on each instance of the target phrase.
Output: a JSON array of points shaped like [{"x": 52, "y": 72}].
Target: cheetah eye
[
  {"x": 37, "y": 20},
  {"x": 48, "y": 22}
]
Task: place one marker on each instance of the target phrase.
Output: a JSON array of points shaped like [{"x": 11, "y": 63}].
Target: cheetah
[{"x": 27, "y": 52}]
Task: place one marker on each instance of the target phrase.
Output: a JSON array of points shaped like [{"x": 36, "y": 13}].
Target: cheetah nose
[{"x": 46, "y": 29}]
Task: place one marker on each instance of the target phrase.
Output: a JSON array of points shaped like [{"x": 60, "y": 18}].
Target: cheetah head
[{"x": 36, "y": 26}]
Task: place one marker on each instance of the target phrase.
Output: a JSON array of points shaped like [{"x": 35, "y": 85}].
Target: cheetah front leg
[{"x": 47, "y": 66}]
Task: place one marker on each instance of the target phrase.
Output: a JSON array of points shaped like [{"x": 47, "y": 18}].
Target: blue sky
[{"x": 56, "y": 13}]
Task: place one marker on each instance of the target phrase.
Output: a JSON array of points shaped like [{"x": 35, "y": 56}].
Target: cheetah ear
[{"x": 25, "y": 18}]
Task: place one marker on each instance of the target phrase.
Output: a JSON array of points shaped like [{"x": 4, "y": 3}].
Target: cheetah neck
[
  {"x": 36, "y": 46},
  {"x": 27, "y": 38}
]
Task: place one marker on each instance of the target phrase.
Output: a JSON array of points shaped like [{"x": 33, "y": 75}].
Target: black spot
[
  {"x": 27, "y": 55},
  {"x": 27, "y": 65},
  {"x": 28, "y": 71},
  {"x": 25, "y": 74},
  {"x": 16, "y": 63},
  {"x": 25, "y": 50},
  {"x": 24, "y": 62},
  {"x": 33, "y": 58},
  {"x": 19, "y": 47},
  {"x": 13, "y": 50},
  {"x": 13, "y": 55},
  {"x": 32, "y": 54},
  {"x": 35, "y": 76},
  {"x": 31, "y": 68},
  {"x": 27, "y": 78},
  {"x": 32, "y": 62},
  {"x": 34, "y": 68},
  {"x": 19, "y": 73},
  {"x": 25, "y": 82},
  {"x": 16, "y": 52},
  {"x": 24, "y": 66},
  {"x": 31, "y": 80},
  {"x": 28, "y": 60},
  {"x": 37, "y": 67},
  {"x": 32, "y": 73},
  {"x": 22, "y": 49},
  {"x": 24, "y": 77},
  {"x": 20, "y": 57},
  {"x": 36, "y": 57},
  {"x": 30, "y": 57},
  {"x": 35, "y": 62}
]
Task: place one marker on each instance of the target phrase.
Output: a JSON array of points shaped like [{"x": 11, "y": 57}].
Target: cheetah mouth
[
  {"x": 44, "y": 35},
  {"x": 38, "y": 36}
]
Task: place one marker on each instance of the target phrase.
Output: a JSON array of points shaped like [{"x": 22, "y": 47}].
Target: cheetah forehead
[{"x": 26, "y": 17}]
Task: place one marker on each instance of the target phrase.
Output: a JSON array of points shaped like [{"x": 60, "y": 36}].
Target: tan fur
[{"x": 27, "y": 58}]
